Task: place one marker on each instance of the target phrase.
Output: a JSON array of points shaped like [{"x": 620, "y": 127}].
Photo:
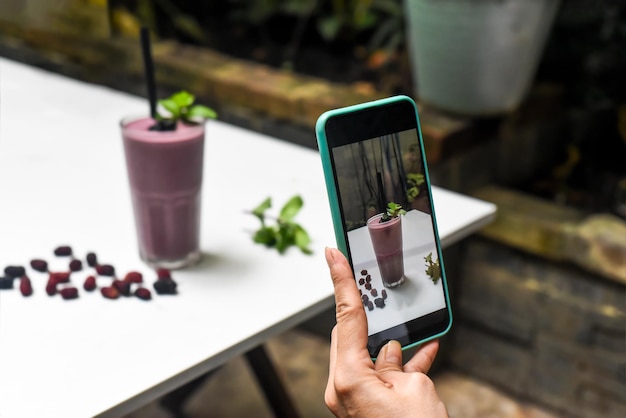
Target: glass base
[
  {"x": 187, "y": 261},
  {"x": 394, "y": 284}
]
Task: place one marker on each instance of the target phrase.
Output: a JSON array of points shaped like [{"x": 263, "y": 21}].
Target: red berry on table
[
  {"x": 63, "y": 250},
  {"x": 374, "y": 292},
  {"x": 105, "y": 270},
  {"x": 76, "y": 265},
  {"x": 110, "y": 292},
  {"x": 384, "y": 294},
  {"x": 165, "y": 287},
  {"x": 143, "y": 293},
  {"x": 133, "y": 277},
  {"x": 122, "y": 286},
  {"x": 92, "y": 259},
  {"x": 39, "y": 265},
  {"x": 69, "y": 293},
  {"x": 163, "y": 273},
  {"x": 26, "y": 287},
  {"x": 90, "y": 283}
]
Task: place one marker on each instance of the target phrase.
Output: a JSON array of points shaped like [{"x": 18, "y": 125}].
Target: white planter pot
[{"x": 476, "y": 57}]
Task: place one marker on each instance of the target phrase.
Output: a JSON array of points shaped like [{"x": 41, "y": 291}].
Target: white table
[{"x": 63, "y": 181}]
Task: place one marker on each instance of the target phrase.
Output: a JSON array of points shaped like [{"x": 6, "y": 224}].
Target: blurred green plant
[{"x": 285, "y": 232}]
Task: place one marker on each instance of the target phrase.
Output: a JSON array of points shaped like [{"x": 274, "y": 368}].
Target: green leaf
[
  {"x": 183, "y": 98},
  {"x": 171, "y": 106},
  {"x": 200, "y": 111},
  {"x": 266, "y": 236},
  {"x": 291, "y": 209},
  {"x": 302, "y": 239},
  {"x": 259, "y": 211}
]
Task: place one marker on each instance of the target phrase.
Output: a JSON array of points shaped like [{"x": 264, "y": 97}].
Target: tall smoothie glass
[
  {"x": 165, "y": 175},
  {"x": 386, "y": 239}
]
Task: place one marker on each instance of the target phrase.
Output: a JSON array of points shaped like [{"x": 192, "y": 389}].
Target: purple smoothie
[
  {"x": 386, "y": 239},
  {"x": 165, "y": 176}
]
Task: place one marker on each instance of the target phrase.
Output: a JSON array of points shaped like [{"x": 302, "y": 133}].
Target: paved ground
[{"x": 302, "y": 359}]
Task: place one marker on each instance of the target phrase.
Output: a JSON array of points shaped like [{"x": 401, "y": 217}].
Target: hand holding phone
[
  {"x": 384, "y": 220},
  {"x": 358, "y": 387}
]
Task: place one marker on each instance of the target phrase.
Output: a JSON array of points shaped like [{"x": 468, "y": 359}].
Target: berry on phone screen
[
  {"x": 63, "y": 250},
  {"x": 26, "y": 287},
  {"x": 92, "y": 259},
  {"x": 6, "y": 282},
  {"x": 76, "y": 265},
  {"x": 39, "y": 265},
  {"x": 14, "y": 271},
  {"x": 69, "y": 293}
]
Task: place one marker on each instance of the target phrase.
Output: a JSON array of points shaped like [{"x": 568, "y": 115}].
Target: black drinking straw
[{"x": 148, "y": 69}]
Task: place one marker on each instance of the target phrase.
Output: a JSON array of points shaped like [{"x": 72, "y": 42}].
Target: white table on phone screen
[{"x": 63, "y": 181}]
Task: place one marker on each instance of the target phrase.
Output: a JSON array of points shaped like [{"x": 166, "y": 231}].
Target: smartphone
[{"x": 384, "y": 219}]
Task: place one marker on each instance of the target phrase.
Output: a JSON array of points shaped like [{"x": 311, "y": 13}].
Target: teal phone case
[{"x": 338, "y": 223}]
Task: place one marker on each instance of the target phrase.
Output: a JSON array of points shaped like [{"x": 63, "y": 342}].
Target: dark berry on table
[
  {"x": 90, "y": 283},
  {"x": 92, "y": 259},
  {"x": 365, "y": 299},
  {"x": 6, "y": 283},
  {"x": 26, "y": 287},
  {"x": 76, "y": 265},
  {"x": 60, "y": 277},
  {"x": 14, "y": 271},
  {"x": 122, "y": 286},
  {"x": 384, "y": 294},
  {"x": 374, "y": 292},
  {"x": 370, "y": 305},
  {"x": 361, "y": 281},
  {"x": 133, "y": 277},
  {"x": 163, "y": 273},
  {"x": 63, "y": 250},
  {"x": 69, "y": 293},
  {"x": 379, "y": 302},
  {"x": 51, "y": 287},
  {"x": 368, "y": 278},
  {"x": 39, "y": 265},
  {"x": 165, "y": 287},
  {"x": 110, "y": 292},
  {"x": 105, "y": 270},
  {"x": 363, "y": 272},
  {"x": 368, "y": 286},
  {"x": 143, "y": 293}
]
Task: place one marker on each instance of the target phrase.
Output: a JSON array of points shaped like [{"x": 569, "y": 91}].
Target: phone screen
[{"x": 377, "y": 161}]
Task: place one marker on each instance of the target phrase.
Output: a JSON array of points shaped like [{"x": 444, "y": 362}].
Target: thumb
[{"x": 389, "y": 358}]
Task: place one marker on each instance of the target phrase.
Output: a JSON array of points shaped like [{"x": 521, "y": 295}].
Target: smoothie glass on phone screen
[{"x": 165, "y": 176}]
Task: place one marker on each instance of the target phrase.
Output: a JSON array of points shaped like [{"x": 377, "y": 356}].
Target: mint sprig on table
[
  {"x": 284, "y": 232},
  {"x": 180, "y": 106}
]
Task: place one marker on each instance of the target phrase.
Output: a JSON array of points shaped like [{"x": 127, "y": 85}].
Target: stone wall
[{"x": 540, "y": 306}]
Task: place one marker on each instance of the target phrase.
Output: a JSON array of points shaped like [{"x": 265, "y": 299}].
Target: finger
[
  {"x": 351, "y": 325},
  {"x": 423, "y": 358},
  {"x": 389, "y": 358},
  {"x": 330, "y": 396}
]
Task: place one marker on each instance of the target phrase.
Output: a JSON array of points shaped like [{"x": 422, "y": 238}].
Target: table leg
[
  {"x": 270, "y": 383},
  {"x": 174, "y": 400}
]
